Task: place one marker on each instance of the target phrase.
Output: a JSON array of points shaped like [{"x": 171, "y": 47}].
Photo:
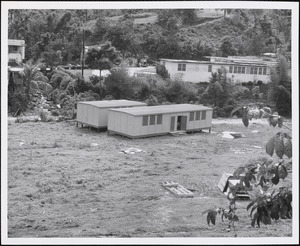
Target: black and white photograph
[{"x": 149, "y": 122}]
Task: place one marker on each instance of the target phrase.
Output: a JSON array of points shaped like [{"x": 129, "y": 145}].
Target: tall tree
[
  {"x": 280, "y": 88},
  {"x": 123, "y": 38},
  {"x": 227, "y": 48},
  {"x": 218, "y": 88},
  {"x": 102, "y": 57}
]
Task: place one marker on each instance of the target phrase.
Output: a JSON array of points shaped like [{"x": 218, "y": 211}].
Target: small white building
[
  {"x": 239, "y": 69},
  {"x": 16, "y": 50},
  {"x": 95, "y": 113},
  {"x": 159, "y": 120}
]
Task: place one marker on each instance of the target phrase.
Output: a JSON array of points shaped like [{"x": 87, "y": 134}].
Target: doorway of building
[{"x": 181, "y": 122}]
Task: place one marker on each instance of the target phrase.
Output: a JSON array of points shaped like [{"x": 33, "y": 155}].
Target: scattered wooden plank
[{"x": 177, "y": 189}]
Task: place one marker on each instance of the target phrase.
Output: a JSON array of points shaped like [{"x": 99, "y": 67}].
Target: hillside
[{"x": 168, "y": 33}]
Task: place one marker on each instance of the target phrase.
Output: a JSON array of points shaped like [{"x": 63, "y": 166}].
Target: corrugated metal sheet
[
  {"x": 161, "y": 109},
  {"x": 113, "y": 103}
]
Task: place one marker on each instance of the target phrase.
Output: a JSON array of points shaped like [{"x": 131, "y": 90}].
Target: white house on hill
[
  {"x": 16, "y": 50},
  {"x": 239, "y": 68}
]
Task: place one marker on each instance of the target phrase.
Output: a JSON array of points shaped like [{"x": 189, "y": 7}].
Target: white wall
[
  {"x": 132, "y": 125},
  {"x": 196, "y": 72}
]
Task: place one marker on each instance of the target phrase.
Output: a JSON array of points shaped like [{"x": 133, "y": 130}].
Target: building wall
[
  {"x": 16, "y": 50},
  {"x": 94, "y": 116},
  {"x": 132, "y": 126},
  {"x": 200, "y": 72}
]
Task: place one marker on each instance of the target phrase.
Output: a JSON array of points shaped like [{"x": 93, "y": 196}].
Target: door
[
  {"x": 172, "y": 127},
  {"x": 183, "y": 123}
]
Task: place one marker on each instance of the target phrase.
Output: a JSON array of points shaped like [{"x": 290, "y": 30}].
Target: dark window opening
[
  {"x": 152, "y": 119},
  {"x": 145, "y": 120},
  {"x": 198, "y": 115},
  {"x": 192, "y": 116},
  {"x": 203, "y": 117},
  {"x": 159, "y": 119}
]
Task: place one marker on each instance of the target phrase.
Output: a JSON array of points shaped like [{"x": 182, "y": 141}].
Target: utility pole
[{"x": 82, "y": 61}]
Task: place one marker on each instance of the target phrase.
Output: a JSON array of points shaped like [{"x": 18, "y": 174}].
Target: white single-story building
[
  {"x": 239, "y": 69},
  {"x": 16, "y": 50},
  {"x": 95, "y": 113},
  {"x": 158, "y": 120}
]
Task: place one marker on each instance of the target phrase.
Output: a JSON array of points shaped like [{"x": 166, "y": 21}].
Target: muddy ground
[{"x": 65, "y": 181}]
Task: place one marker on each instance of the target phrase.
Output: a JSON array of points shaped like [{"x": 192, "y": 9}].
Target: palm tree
[{"x": 30, "y": 73}]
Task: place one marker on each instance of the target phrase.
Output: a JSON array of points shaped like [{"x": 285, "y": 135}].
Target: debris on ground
[
  {"x": 227, "y": 181},
  {"x": 177, "y": 189},
  {"x": 94, "y": 144},
  {"x": 255, "y": 131},
  {"x": 242, "y": 150},
  {"x": 231, "y": 135},
  {"x": 257, "y": 147},
  {"x": 132, "y": 151}
]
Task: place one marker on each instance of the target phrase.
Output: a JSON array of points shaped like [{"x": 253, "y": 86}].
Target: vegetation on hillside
[{"x": 55, "y": 37}]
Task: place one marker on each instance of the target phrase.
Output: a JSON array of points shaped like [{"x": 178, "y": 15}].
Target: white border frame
[{"x": 294, "y": 6}]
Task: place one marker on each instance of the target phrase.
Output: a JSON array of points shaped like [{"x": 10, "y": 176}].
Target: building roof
[
  {"x": 16, "y": 42},
  {"x": 228, "y": 61},
  {"x": 113, "y": 103},
  {"x": 162, "y": 109}
]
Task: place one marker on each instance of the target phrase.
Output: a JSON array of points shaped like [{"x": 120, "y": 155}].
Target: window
[
  {"x": 13, "y": 49},
  {"x": 198, "y": 115},
  {"x": 145, "y": 120},
  {"x": 203, "y": 115},
  {"x": 192, "y": 116},
  {"x": 159, "y": 119},
  {"x": 152, "y": 119},
  {"x": 260, "y": 70},
  {"x": 251, "y": 70},
  {"x": 264, "y": 71},
  {"x": 255, "y": 70},
  {"x": 238, "y": 69},
  {"x": 181, "y": 67},
  {"x": 209, "y": 68}
]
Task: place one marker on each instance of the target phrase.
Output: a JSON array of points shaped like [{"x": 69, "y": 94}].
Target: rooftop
[
  {"x": 113, "y": 103},
  {"x": 16, "y": 42},
  {"x": 243, "y": 60},
  {"x": 173, "y": 108}
]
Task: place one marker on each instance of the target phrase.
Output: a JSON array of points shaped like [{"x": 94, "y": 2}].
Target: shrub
[
  {"x": 55, "y": 112},
  {"x": 247, "y": 93},
  {"x": 152, "y": 100},
  {"x": 227, "y": 109},
  {"x": 180, "y": 92},
  {"x": 259, "y": 82},
  {"x": 220, "y": 112},
  {"x": 17, "y": 100},
  {"x": 255, "y": 92},
  {"x": 250, "y": 83},
  {"x": 118, "y": 84},
  {"x": 43, "y": 115},
  {"x": 162, "y": 71}
]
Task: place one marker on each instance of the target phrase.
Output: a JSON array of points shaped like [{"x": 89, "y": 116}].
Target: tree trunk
[{"x": 27, "y": 91}]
